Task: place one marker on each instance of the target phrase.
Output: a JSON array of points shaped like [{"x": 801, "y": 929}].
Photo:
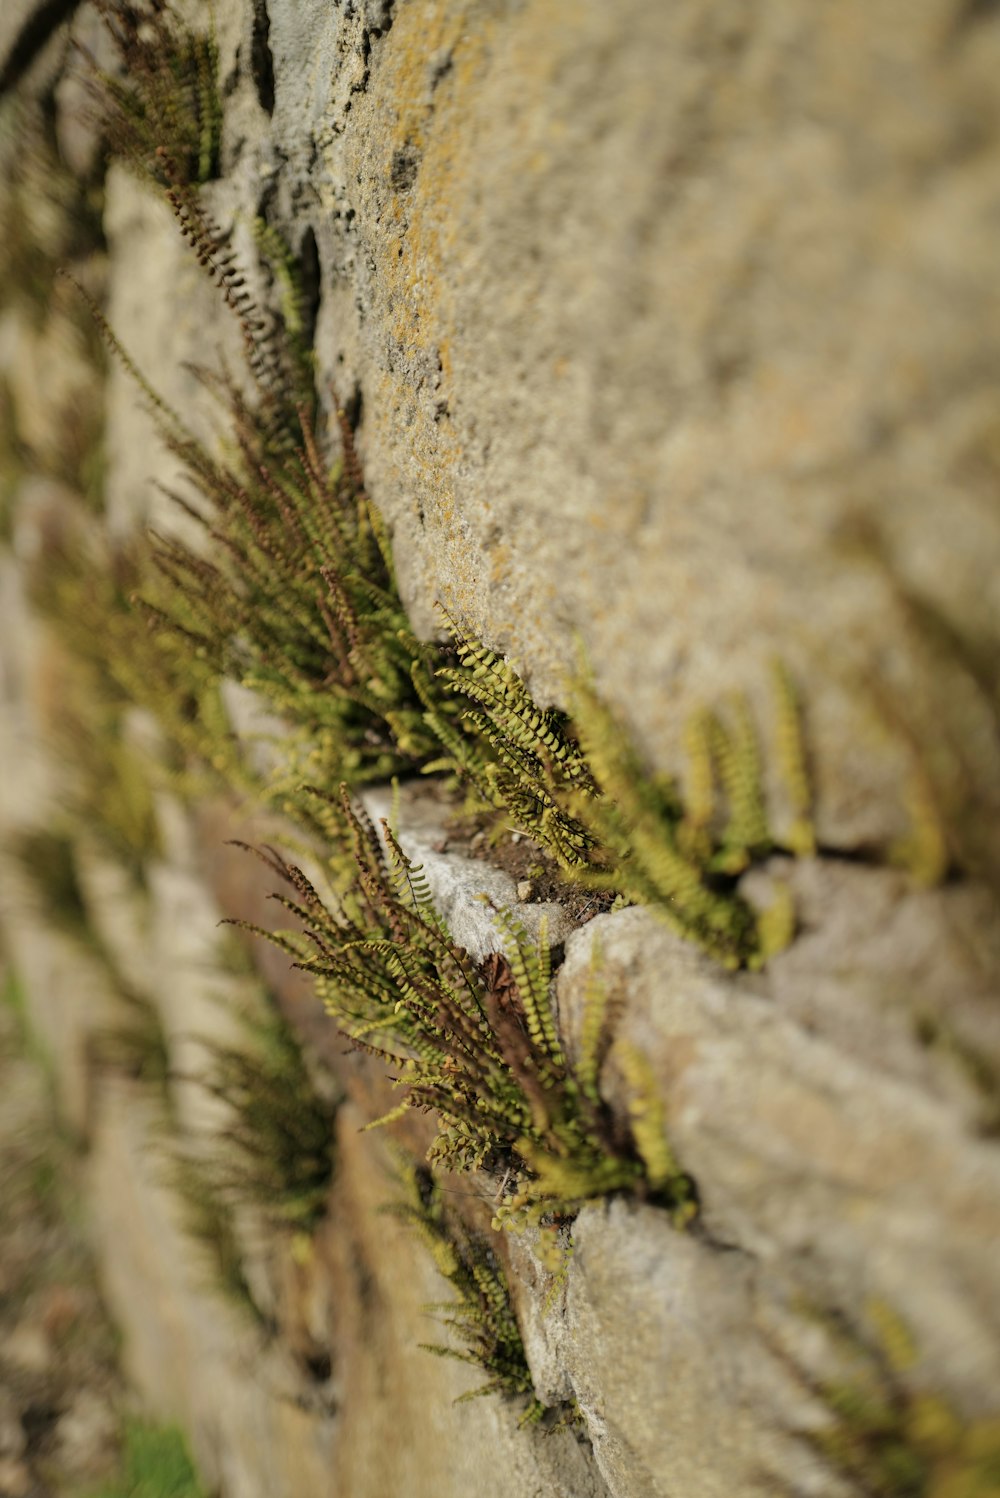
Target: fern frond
[
  {"x": 793, "y": 769},
  {"x": 481, "y": 1318},
  {"x": 736, "y": 752},
  {"x": 593, "y": 1032},
  {"x": 410, "y": 882},
  {"x": 648, "y": 1123},
  {"x": 530, "y": 965}
]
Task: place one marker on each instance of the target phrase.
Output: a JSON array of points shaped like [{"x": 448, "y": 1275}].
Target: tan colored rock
[
  {"x": 15, "y": 1478},
  {"x": 190, "y": 1354},
  {"x": 667, "y": 324},
  {"x": 171, "y": 321},
  {"x": 679, "y": 358},
  {"x": 676, "y": 330},
  {"x": 66, "y": 993},
  {"x": 87, "y": 1435},
  {"x": 12, "y": 1437},
  {"x": 402, "y": 1429},
  {"x": 28, "y": 1349},
  {"x": 839, "y": 1163}
]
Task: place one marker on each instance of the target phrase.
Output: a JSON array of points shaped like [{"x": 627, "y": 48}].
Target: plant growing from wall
[
  {"x": 47, "y": 859},
  {"x": 294, "y": 595},
  {"x": 136, "y": 1047},
  {"x": 108, "y": 789},
  {"x": 209, "y": 1219},
  {"x": 474, "y": 1046},
  {"x": 119, "y": 657},
  {"x": 580, "y": 789},
  {"x": 480, "y": 1319},
  {"x": 275, "y": 1151},
  {"x": 681, "y": 851},
  {"x": 299, "y": 605},
  {"x": 50, "y": 217},
  {"x": 166, "y": 97},
  {"x": 520, "y": 760},
  {"x": 883, "y": 1433}
]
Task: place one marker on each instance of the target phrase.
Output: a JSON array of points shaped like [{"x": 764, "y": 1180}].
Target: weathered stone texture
[
  {"x": 674, "y": 328},
  {"x": 405, "y": 1433},
  {"x": 190, "y": 1355},
  {"x": 464, "y": 889},
  {"x": 674, "y": 333},
  {"x": 664, "y": 319},
  {"x": 834, "y": 1169}
]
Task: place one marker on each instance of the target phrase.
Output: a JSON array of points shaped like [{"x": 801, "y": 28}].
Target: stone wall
[{"x": 672, "y": 336}]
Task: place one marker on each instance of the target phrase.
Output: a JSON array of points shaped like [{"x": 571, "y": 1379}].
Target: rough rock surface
[
  {"x": 693, "y": 360},
  {"x": 464, "y": 889},
  {"x": 676, "y": 330},
  {"x": 835, "y": 1168}
]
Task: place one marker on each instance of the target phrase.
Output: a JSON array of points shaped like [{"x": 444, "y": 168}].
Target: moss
[{"x": 155, "y": 1464}]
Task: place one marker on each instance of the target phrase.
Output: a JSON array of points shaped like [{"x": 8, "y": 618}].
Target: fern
[
  {"x": 293, "y": 595},
  {"x": 884, "y": 1434},
  {"x": 649, "y": 1126},
  {"x": 681, "y": 854},
  {"x": 594, "y": 1037},
  {"x": 640, "y": 820},
  {"x": 119, "y": 656},
  {"x": 276, "y": 1149},
  {"x": 480, "y": 1319},
  {"x": 474, "y": 1046},
  {"x": 579, "y": 788},
  {"x": 291, "y": 592},
  {"x": 524, "y": 762},
  {"x": 167, "y": 102},
  {"x": 47, "y": 859},
  {"x": 800, "y": 838},
  {"x": 209, "y": 1219},
  {"x": 736, "y": 752}
]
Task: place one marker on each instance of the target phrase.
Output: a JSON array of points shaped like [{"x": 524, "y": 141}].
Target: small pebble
[{"x": 525, "y": 889}]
